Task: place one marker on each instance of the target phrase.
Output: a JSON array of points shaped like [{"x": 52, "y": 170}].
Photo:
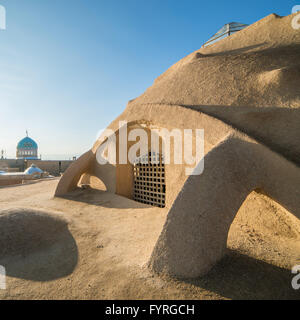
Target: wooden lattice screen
[{"x": 149, "y": 180}]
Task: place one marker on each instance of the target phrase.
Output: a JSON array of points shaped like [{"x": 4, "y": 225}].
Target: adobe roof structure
[{"x": 244, "y": 92}]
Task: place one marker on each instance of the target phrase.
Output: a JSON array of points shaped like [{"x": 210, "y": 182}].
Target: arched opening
[
  {"x": 143, "y": 177},
  {"x": 92, "y": 182},
  {"x": 264, "y": 230},
  {"x": 149, "y": 182},
  {"x": 195, "y": 234}
]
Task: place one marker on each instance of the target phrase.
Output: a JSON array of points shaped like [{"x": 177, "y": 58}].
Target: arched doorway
[{"x": 149, "y": 183}]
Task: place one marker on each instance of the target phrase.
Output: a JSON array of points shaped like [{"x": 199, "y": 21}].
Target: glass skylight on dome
[{"x": 225, "y": 31}]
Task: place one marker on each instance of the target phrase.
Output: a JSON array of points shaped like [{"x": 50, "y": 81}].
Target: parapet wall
[
  {"x": 17, "y": 164},
  {"x": 55, "y": 167},
  {"x": 7, "y": 180}
]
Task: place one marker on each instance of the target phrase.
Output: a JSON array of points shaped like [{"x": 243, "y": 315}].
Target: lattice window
[{"x": 149, "y": 180}]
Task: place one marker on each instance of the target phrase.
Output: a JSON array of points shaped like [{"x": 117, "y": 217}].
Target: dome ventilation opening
[{"x": 149, "y": 180}]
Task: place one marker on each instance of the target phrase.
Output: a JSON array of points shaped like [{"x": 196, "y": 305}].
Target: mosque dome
[
  {"x": 27, "y": 148},
  {"x": 27, "y": 143}
]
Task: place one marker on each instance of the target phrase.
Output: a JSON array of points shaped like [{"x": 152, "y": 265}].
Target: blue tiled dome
[{"x": 27, "y": 143}]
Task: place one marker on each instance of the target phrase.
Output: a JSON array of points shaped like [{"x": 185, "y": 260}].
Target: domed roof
[
  {"x": 249, "y": 80},
  {"x": 33, "y": 170},
  {"x": 245, "y": 69},
  {"x": 27, "y": 143}
]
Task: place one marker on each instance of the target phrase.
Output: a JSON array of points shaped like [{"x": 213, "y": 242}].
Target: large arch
[
  {"x": 116, "y": 178},
  {"x": 161, "y": 116},
  {"x": 195, "y": 234}
]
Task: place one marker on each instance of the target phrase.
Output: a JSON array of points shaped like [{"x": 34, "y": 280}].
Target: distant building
[
  {"x": 27, "y": 158},
  {"x": 27, "y": 149}
]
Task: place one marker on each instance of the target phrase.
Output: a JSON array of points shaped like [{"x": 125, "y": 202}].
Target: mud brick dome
[{"x": 243, "y": 91}]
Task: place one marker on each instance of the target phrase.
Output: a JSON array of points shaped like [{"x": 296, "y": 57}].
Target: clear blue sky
[{"x": 68, "y": 67}]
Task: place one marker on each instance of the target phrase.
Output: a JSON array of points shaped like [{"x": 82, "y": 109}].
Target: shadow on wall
[
  {"x": 235, "y": 51},
  {"x": 277, "y": 128},
  {"x": 240, "y": 277},
  {"x": 36, "y": 245},
  {"x": 103, "y": 199}
]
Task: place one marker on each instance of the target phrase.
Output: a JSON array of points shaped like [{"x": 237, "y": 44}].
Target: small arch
[
  {"x": 260, "y": 218},
  {"x": 88, "y": 180}
]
